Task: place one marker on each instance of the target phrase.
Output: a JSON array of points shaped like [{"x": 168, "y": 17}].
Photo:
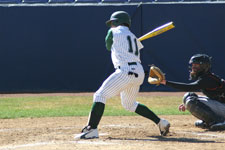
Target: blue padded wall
[
  {"x": 141, "y": 0},
  {"x": 168, "y": 0},
  {"x": 198, "y": 29},
  {"x": 59, "y": 49},
  {"x": 114, "y": 1},
  {"x": 88, "y": 1},
  {"x": 61, "y": 1},
  {"x": 10, "y": 1},
  {"x": 53, "y": 49},
  {"x": 35, "y": 1}
]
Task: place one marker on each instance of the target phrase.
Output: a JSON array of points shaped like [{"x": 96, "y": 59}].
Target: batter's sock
[
  {"x": 145, "y": 112},
  {"x": 96, "y": 114}
]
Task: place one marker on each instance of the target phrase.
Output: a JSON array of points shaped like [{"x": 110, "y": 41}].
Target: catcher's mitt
[{"x": 155, "y": 75}]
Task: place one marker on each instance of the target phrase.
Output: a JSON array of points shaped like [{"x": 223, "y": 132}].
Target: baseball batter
[{"x": 126, "y": 80}]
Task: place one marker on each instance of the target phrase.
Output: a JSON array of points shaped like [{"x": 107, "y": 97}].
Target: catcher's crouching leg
[{"x": 199, "y": 109}]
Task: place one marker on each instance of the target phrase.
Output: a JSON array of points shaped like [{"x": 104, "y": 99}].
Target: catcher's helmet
[
  {"x": 119, "y": 18},
  {"x": 200, "y": 59},
  {"x": 205, "y": 64}
]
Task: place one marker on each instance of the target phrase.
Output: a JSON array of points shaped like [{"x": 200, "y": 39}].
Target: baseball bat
[{"x": 157, "y": 31}]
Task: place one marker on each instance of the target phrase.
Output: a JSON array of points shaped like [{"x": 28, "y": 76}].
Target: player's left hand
[
  {"x": 155, "y": 75},
  {"x": 163, "y": 82}
]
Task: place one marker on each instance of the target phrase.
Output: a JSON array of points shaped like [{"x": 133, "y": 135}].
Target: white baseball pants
[{"x": 122, "y": 82}]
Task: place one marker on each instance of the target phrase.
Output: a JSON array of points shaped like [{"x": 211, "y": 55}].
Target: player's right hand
[
  {"x": 182, "y": 107},
  {"x": 163, "y": 82}
]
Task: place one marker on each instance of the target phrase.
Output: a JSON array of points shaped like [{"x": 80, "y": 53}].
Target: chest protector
[{"x": 216, "y": 93}]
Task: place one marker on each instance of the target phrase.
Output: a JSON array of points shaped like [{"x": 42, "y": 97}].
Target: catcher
[{"x": 210, "y": 109}]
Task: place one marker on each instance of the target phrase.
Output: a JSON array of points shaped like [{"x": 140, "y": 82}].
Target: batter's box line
[
  {"x": 202, "y": 134},
  {"x": 26, "y": 129},
  {"x": 48, "y": 143},
  {"x": 118, "y": 126}
]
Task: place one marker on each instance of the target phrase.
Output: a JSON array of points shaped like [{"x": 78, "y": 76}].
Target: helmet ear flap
[
  {"x": 206, "y": 67},
  {"x": 112, "y": 22},
  {"x": 115, "y": 23}
]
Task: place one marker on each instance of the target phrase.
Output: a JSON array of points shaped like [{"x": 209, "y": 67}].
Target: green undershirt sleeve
[{"x": 109, "y": 40}]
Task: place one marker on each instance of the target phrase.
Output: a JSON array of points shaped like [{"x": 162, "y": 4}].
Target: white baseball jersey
[
  {"x": 125, "y": 47},
  {"x": 129, "y": 74}
]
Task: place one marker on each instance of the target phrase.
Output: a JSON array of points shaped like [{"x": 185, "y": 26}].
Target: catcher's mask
[
  {"x": 199, "y": 65},
  {"x": 119, "y": 18}
]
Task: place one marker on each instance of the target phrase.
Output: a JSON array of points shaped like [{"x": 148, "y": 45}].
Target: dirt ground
[{"x": 116, "y": 133}]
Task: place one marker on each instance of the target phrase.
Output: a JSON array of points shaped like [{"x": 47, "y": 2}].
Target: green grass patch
[{"x": 56, "y": 106}]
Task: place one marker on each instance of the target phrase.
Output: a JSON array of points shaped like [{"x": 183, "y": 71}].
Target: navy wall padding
[
  {"x": 10, "y": 1},
  {"x": 48, "y": 49},
  {"x": 199, "y": 28},
  {"x": 62, "y": 48}
]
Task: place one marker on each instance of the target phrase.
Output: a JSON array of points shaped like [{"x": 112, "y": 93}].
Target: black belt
[
  {"x": 132, "y": 63},
  {"x": 129, "y": 64},
  {"x": 133, "y": 73}
]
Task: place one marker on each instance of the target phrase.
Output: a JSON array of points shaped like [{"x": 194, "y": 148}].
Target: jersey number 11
[{"x": 131, "y": 47}]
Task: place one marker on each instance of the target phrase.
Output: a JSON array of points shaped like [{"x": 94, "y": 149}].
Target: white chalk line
[
  {"x": 202, "y": 134},
  {"x": 63, "y": 128},
  {"x": 118, "y": 126},
  {"x": 24, "y": 129},
  {"x": 10, "y": 130},
  {"x": 11, "y": 147},
  {"x": 48, "y": 143}
]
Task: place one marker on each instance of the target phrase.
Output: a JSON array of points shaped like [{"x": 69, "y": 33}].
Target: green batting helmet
[{"x": 119, "y": 18}]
